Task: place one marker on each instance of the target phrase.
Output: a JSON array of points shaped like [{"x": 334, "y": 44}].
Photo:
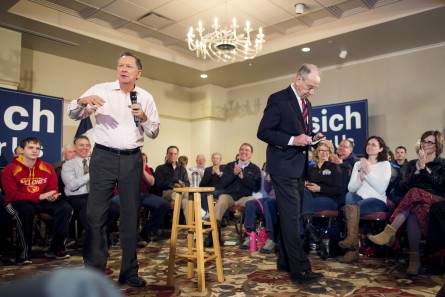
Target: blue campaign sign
[
  {"x": 30, "y": 115},
  {"x": 347, "y": 120}
]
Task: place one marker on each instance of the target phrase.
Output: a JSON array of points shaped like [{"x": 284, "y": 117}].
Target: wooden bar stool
[{"x": 195, "y": 248}]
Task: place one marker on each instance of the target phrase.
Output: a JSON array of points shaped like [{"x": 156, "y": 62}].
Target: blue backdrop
[
  {"x": 347, "y": 120},
  {"x": 30, "y": 115}
]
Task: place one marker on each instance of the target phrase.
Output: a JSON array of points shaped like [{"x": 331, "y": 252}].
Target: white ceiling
[{"x": 96, "y": 30}]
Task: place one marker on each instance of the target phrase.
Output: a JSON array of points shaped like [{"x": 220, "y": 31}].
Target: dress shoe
[
  {"x": 134, "y": 281},
  {"x": 306, "y": 277}
]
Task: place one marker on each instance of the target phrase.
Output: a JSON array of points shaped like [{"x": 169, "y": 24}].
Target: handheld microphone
[{"x": 134, "y": 100}]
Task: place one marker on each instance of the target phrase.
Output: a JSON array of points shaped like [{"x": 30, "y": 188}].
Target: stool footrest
[
  {"x": 209, "y": 258},
  {"x": 186, "y": 256}
]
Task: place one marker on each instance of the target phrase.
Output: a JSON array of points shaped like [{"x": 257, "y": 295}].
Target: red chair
[{"x": 331, "y": 215}]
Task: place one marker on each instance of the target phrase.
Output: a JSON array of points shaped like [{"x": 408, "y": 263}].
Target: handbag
[{"x": 261, "y": 230}]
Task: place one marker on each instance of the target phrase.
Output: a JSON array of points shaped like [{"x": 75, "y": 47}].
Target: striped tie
[{"x": 305, "y": 114}]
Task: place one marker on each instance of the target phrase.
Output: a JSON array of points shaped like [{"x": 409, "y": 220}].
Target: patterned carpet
[{"x": 249, "y": 274}]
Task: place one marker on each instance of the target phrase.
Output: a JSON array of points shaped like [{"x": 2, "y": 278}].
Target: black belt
[{"x": 118, "y": 151}]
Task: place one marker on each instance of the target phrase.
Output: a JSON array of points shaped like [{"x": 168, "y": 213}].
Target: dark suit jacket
[{"x": 283, "y": 119}]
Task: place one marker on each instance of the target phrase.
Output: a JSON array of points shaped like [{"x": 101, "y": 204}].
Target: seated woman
[
  {"x": 323, "y": 189},
  {"x": 424, "y": 181},
  {"x": 269, "y": 208},
  {"x": 369, "y": 179}
]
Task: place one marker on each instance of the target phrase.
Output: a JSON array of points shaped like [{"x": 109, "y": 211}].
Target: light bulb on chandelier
[{"x": 225, "y": 44}]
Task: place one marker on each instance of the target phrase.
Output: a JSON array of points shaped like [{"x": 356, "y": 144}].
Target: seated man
[
  {"x": 171, "y": 175},
  {"x": 76, "y": 178},
  {"x": 155, "y": 204},
  {"x": 212, "y": 178},
  {"x": 68, "y": 152},
  {"x": 240, "y": 179},
  {"x": 31, "y": 188},
  {"x": 200, "y": 166},
  {"x": 345, "y": 158}
]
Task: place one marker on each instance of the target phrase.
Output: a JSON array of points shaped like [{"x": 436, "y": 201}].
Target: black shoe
[
  {"x": 134, "y": 281},
  {"x": 306, "y": 277}
]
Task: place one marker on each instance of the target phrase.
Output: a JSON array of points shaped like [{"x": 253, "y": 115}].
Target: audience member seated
[
  {"x": 268, "y": 209},
  {"x": 436, "y": 239},
  {"x": 184, "y": 160},
  {"x": 154, "y": 203},
  {"x": 239, "y": 179},
  {"x": 393, "y": 192},
  {"x": 367, "y": 193},
  {"x": 345, "y": 158},
  {"x": 68, "y": 152},
  {"x": 310, "y": 158},
  {"x": 30, "y": 185},
  {"x": 200, "y": 166},
  {"x": 401, "y": 159},
  {"x": 212, "y": 178},
  {"x": 424, "y": 184},
  {"x": 323, "y": 189},
  {"x": 172, "y": 175},
  {"x": 76, "y": 178}
]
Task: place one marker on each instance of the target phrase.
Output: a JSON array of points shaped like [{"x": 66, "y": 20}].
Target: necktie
[
  {"x": 86, "y": 170},
  {"x": 305, "y": 114}
]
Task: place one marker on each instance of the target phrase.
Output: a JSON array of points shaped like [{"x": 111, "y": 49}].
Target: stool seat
[{"x": 196, "y": 253}]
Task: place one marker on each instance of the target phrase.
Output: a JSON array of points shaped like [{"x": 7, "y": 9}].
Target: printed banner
[
  {"x": 30, "y": 115},
  {"x": 347, "y": 120}
]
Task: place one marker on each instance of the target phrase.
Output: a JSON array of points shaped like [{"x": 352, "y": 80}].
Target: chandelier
[{"x": 225, "y": 44}]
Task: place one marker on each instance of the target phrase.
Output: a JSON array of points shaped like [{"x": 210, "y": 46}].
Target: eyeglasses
[
  {"x": 323, "y": 151},
  {"x": 372, "y": 144},
  {"x": 427, "y": 142}
]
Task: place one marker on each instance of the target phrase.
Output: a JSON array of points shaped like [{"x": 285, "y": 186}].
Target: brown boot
[
  {"x": 387, "y": 236},
  {"x": 414, "y": 263},
  {"x": 352, "y": 214},
  {"x": 349, "y": 257}
]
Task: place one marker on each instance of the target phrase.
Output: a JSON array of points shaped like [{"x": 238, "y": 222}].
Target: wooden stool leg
[
  {"x": 199, "y": 243},
  {"x": 216, "y": 247},
  {"x": 190, "y": 233},
  {"x": 174, "y": 236}
]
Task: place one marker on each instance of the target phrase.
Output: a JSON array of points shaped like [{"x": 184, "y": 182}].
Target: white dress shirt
[
  {"x": 73, "y": 177},
  {"x": 115, "y": 125}
]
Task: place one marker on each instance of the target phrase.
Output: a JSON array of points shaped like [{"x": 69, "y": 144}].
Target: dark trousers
[
  {"x": 79, "y": 205},
  {"x": 436, "y": 227},
  {"x": 24, "y": 212},
  {"x": 288, "y": 192},
  {"x": 108, "y": 169},
  {"x": 158, "y": 208}
]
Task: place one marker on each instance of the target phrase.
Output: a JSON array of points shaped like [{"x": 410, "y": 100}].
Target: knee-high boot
[{"x": 352, "y": 214}]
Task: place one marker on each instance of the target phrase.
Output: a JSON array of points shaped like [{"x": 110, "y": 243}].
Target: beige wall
[{"x": 404, "y": 92}]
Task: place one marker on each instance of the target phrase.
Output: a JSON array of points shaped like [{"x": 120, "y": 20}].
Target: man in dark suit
[{"x": 286, "y": 127}]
